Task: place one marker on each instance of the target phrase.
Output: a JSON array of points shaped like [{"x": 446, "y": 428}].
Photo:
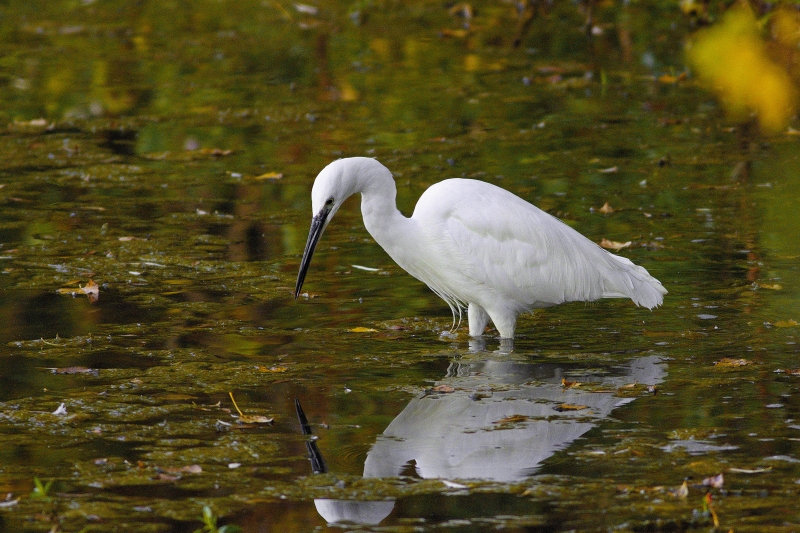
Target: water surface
[{"x": 166, "y": 153}]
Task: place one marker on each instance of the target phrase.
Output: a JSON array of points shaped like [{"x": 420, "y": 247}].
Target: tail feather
[{"x": 627, "y": 280}]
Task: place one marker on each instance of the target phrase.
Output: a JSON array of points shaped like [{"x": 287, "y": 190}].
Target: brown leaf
[
  {"x": 443, "y": 388},
  {"x": 669, "y": 79},
  {"x": 511, "y": 419},
  {"x": 606, "y": 209},
  {"x": 728, "y": 362},
  {"x": 92, "y": 290},
  {"x": 570, "y": 384},
  {"x": 570, "y": 407},
  {"x": 255, "y": 419}
]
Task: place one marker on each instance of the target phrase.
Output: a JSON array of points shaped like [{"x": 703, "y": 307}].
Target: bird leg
[{"x": 478, "y": 318}]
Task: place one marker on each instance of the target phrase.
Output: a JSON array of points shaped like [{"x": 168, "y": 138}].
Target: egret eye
[{"x": 329, "y": 201}]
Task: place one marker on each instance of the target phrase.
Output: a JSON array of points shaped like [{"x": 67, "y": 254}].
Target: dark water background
[{"x": 166, "y": 151}]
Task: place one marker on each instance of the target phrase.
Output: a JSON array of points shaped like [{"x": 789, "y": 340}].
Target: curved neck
[{"x": 383, "y": 220}]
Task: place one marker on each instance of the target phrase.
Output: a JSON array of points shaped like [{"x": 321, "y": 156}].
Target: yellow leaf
[
  {"x": 732, "y": 60},
  {"x": 361, "y": 330},
  {"x": 728, "y": 362},
  {"x": 272, "y": 369},
  {"x": 250, "y": 419},
  {"x": 269, "y": 176},
  {"x": 786, "y": 323},
  {"x": 614, "y": 245}
]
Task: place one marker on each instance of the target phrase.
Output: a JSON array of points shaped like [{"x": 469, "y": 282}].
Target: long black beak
[{"x": 317, "y": 226}]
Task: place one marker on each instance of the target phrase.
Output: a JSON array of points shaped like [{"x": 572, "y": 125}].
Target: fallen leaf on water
[
  {"x": 770, "y": 286},
  {"x": 92, "y": 291},
  {"x": 457, "y": 33},
  {"x": 570, "y": 384},
  {"x": 793, "y": 371},
  {"x": 727, "y": 362},
  {"x": 361, "y": 330},
  {"x": 215, "y": 152},
  {"x": 269, "y": 176},
  {"x": 189, "y": 469},
  {"x": 511, "y": 419},
  {"x": 37, "y": 123},
  {"x": 250, "y": 419},
  {"x": 669, "y": 79},
  {"x": 272, "y": 369},
  {"x": 443, "y": 388},
  {"x": 570, "y": 407},
  {"x": 609, "y": 170},
  {"x": 786, "y": 323},
  {"x": 606, "y": 209},
  {"x": 128, "y": 238},
  {"x": 749, "y": 470},
  {"x": 614, "y": 245},
  {"x": 682, "y": 491},
  {"x": 714, "y": 481},
  {"x": 73, "y": 370}
]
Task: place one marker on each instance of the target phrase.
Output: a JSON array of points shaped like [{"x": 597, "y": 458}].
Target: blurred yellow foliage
[
  {"x": 731, "y": 59},
  {"x": 786, "y": 27}
]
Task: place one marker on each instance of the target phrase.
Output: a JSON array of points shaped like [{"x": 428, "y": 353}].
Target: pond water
[{"x": 165, "y": 152}]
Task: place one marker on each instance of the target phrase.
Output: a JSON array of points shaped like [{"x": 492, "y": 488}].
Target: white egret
[{"x": 478, "y": 246}]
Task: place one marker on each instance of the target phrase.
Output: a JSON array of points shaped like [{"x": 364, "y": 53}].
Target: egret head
[{"x": 333, "y": 185}]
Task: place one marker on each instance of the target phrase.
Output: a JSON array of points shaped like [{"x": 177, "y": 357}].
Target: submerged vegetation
[{"x": 154, "y": 201}]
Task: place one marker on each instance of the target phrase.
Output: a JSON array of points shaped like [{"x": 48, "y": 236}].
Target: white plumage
[{"x": 478, "y": 246}]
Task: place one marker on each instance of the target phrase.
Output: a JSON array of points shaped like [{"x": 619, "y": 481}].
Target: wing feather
[{"x": 486, "y": 242}]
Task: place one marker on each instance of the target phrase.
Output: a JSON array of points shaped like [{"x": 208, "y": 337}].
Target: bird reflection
[{"x": 489, "y": 419}]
